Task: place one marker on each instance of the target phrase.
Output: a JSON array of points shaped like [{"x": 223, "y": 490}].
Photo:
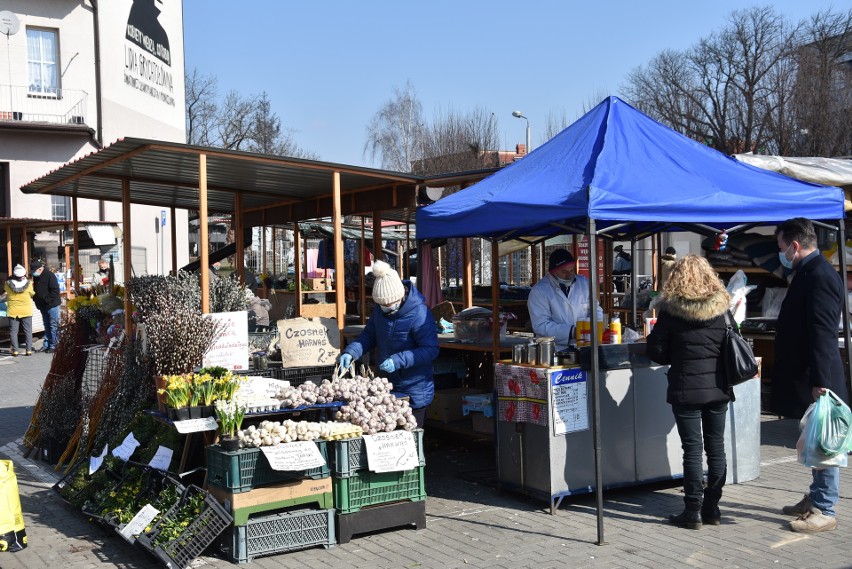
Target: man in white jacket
[{"x": 559, "y": 299}]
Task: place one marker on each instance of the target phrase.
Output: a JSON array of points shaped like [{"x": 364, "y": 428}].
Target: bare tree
[
  {"x": 269, "y": 138},
  {"x": 393, "y": 135},
  {"x": 823, "y": 93},
  {"x": 723, "y": 91},
  {"x": 456, "y": 142},
  {"x": 200, "y": 108}
]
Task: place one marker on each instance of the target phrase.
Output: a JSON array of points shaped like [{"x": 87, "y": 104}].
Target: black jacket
[
  {"x": 46, "y": 289},
  {"x": 688, "y": 337},
  {"x": 807, "y": 354}
]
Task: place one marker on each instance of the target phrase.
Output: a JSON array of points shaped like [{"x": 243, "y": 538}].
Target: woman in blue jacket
[{"x": 403, "y": 332}]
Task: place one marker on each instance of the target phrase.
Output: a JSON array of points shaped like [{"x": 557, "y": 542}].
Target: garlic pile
[
  {"x": 368, "y": 402},
  {"x": 269, "y": 433}
]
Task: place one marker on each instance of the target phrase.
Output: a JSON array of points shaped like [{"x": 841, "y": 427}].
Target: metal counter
[{"x": 639, "y": 439}]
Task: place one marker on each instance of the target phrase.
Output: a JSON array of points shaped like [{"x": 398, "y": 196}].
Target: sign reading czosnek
[
  {"x": 308, "y": 341},
  {"x": 391, "y": 452}
]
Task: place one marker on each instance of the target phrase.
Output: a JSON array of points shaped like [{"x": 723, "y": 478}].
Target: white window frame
[{"x": 35, "y": 85}]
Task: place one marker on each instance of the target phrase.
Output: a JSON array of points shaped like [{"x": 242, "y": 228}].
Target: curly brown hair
[{"x": 692, "y": 277}]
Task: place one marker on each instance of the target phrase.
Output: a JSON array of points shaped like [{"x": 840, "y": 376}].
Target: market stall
[{"x": 617, "y": 174}]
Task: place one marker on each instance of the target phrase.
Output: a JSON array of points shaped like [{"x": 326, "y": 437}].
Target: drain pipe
[{"x": 99, "y": 135}]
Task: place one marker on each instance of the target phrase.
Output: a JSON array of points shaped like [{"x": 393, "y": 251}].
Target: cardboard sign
[
  {"x": 391, "y": 452},
  {"x": 196, "y": 425},
  {"x": 231, "y": 349},
  {"x": 299, "y": 455},
  {"x": 308, "y": 341}
]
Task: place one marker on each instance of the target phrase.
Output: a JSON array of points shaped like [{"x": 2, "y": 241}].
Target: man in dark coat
[
  {"x": 807, "y": 357},
  {"x": 47, "y": 300}
]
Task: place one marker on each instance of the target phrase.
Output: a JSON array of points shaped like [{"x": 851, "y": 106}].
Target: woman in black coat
[{"x": 688, "y": 336}]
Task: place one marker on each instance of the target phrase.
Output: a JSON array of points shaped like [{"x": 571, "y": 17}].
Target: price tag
[
  {"x": 391, "y": 452},
  {"x": 196, "y": 425},
  {"x": 125, "y": 450},
  {"x": 95, "y": 462},
  {"x": 299, "y": 455},
  {"x": 139, "y": 522},
  {"x": 162, "y": 458}
]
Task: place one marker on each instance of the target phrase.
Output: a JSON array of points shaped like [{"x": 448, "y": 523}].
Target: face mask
[
  {"x": 566, "y": 282},
  {"x": 392, "y": 308},
  {"x": 787, "y": 263},
  {"x": 103, "y": 271}
]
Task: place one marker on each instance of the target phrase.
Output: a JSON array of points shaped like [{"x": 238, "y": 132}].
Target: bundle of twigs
[{"x": 67, "y": 366}]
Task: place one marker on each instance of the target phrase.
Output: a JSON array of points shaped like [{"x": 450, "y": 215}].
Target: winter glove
[
  {"x": 345, "y": 360},
  {"x": 388, "y": 366}
]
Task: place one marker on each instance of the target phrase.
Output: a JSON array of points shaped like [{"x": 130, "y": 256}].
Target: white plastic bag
[
  {"x": 808, "y": 450},
  {"x": 738, "y": 290}
]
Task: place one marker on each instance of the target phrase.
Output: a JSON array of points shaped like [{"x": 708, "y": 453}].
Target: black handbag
[{"x": 737, "y": 355}]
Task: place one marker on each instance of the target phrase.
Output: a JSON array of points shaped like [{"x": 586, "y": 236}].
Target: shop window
[
  {"x": 43, "y": 61},
  {"x": 60, "y": 208}
]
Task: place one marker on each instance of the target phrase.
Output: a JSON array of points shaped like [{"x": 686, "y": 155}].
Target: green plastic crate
[
  {"x": 324, "y": 500},
  {"x": 193, "y": 539},
  {"x": 367, "y": 488},
  {"x": 278, "y": 533},
  {"x": 247, "y": 468},
  {"x": 349, "y": 456}
]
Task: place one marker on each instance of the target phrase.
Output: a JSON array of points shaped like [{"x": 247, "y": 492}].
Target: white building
[{"x": 76, "y": 75}]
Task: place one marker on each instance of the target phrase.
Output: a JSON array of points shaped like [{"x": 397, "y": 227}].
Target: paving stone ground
[{"x": 470, "y": 523}]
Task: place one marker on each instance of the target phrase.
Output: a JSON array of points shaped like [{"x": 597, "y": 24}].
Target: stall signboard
[
  {"x": 298, "y": 455},
  {"x": 308, "y": 342},
  {"x": 569, "y": 401},
  {"x": 391, "y": 452},
  {"x": 231, "y": 348},
  {"x": 583, "y": 265}
]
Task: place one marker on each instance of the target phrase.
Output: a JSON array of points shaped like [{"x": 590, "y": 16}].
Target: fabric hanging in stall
[
  {"x": 325, "y": 255},
  {"x": 429, "y": 282}
]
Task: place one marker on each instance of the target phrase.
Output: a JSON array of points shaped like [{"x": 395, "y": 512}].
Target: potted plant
[
  {"x": 230, "y": 415},
  {"x": 177, "y": 392},
  {"x": 205, "y": 386}
]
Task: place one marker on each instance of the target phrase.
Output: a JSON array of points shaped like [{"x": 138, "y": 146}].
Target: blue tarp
[{"x": 616, "y": 165}]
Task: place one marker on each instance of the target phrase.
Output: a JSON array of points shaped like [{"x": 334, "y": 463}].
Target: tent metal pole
[
  {"x": 634, "y": 289},
  {"x": 841, "y": 256},
  {"x": 596, "y": 405}
]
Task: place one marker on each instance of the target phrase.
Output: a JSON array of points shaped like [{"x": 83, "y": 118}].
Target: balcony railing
[{"x": 63, "y": 106}]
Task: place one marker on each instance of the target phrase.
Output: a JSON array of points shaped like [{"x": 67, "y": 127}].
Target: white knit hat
[
  {"x": 388, "y": 287},
  {"x": 19, "y": 271}
]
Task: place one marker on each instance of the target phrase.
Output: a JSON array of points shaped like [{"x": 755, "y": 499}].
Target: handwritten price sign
[{"x": 391, "y": 452}]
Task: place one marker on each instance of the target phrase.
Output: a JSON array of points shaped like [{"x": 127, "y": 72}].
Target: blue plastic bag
[{"x": 826, "y": 434}]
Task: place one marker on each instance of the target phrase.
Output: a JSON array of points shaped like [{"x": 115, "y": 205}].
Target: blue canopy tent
[{"x": 619, "y": 174}]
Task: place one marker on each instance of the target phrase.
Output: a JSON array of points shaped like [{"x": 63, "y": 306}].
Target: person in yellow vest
[{"x": 18, "y": 294}]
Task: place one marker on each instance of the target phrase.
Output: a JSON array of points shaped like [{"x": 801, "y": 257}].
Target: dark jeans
[
  {"x": 692, "y": 421},
  {"x": 50, "y": 317}
]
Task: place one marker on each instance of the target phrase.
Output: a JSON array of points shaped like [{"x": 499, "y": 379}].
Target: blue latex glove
[
  {"x": 388, "y": 366},
  {"x": 345, "y": 360}
]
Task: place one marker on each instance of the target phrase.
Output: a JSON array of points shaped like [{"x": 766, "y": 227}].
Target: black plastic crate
[
  {"x": 299, "y": 375},
  {"x": 177, "y": 545}
]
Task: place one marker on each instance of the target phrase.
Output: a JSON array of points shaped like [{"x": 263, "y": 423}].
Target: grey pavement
[{"x": 469, "y": 522}]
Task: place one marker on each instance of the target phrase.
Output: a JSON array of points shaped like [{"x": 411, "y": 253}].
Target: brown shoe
[
  {"x": 803, "y": 507},
  {"x": 813, "y": 522}
]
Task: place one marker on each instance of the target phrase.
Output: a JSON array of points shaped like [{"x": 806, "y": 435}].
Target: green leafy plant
[{"x": 230, "y": 415}]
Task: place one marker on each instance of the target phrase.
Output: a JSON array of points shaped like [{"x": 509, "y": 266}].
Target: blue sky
[{"x": 329, "y": 65}]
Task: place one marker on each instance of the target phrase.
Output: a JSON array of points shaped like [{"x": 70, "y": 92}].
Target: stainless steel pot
[
  {"x": 545, "y": 352},
  {"x": 532, "y": 354},
  {"x": 519, "y": 353}
]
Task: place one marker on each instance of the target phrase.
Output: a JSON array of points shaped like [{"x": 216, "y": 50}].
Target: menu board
[
  {"x": 583, "y": 265},
  {"x": 570, "y": 402}
]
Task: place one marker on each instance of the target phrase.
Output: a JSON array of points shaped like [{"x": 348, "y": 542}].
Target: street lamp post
[{"x": 520, "y": 115}]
